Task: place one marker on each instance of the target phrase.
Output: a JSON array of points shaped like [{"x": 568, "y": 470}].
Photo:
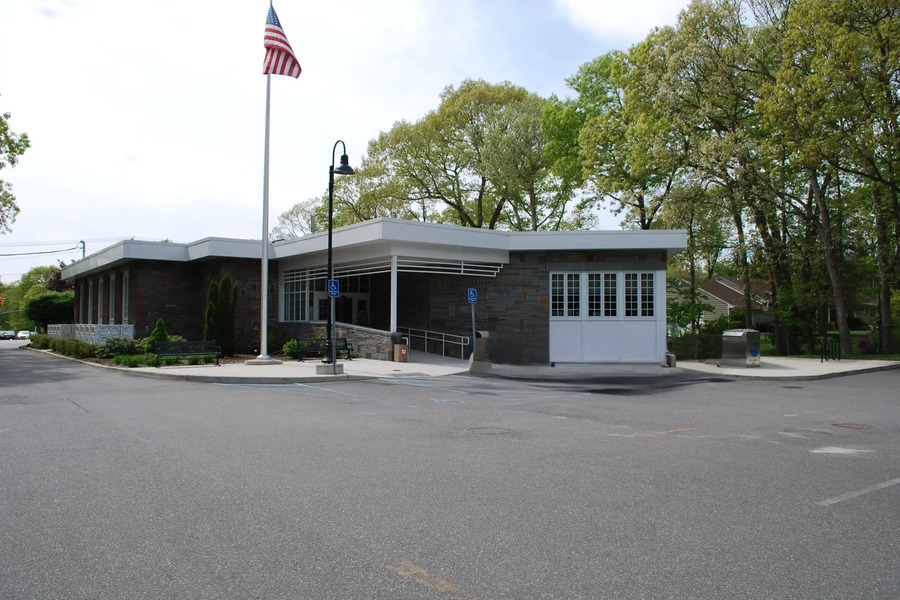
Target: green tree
[
  {"x": 158, "y": 334},
  {"x": 46, "y": 307},
  {"x": 12, "y": 145},
  {"x": 478, "y": 160},
  {"x": 834, "y": 106},
  {"x": 297, "y": 221},
  {"x": 221, "y": 303},
  {"x": 629, "y": 152}
]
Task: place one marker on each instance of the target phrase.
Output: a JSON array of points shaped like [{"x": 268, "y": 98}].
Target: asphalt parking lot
[{"x": 451, "y": 486}]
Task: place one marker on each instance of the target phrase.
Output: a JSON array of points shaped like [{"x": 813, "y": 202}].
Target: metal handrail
[{"x": 437, "y": 337}]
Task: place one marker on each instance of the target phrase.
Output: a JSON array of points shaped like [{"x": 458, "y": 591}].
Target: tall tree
[
  {"x": 221, "y": 304},
  {"x": 12, "y": 145},
  {"x": 836, "y": 105},
  {"x": 478, "y": 160},
  {"x": 630, "y": 154}
]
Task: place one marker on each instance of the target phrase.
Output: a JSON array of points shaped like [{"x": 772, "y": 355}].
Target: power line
[
  {"x": 58, "y": 242},
  {"x": 15, "y": 254}
]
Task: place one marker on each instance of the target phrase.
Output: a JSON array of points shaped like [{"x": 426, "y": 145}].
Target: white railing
[
  {"x": 91, "y": 333},
  {"x": 436, "y": 339}
]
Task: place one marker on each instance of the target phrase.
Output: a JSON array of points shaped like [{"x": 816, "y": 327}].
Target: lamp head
[{"x": 344, "y": 168}]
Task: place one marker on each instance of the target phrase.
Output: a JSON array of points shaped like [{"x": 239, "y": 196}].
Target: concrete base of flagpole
[
  {"x": 262, "y": 360},
  {"x": 335, "y": 369}
]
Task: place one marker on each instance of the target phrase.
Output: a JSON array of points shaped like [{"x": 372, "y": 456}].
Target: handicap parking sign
[
  {"x": 473, "y": 295},
  {"x": 334, "y": 288}
]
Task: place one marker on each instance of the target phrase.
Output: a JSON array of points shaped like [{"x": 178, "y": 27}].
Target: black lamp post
[{"x": 343, "y": 169}]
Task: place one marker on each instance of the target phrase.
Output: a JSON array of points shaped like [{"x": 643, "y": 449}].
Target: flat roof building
[{"x": 542, "y": 297}]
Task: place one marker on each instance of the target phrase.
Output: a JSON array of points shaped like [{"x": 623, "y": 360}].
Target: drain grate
[
  {"x": 490, "y": 430},
  {"x": 853, "y": 425}
]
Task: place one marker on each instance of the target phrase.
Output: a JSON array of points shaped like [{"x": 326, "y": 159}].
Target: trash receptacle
[
  {"x": 401, "y": 347},
  {"x": 481, "y": 344},
  {"x": 740, "y": 348}
]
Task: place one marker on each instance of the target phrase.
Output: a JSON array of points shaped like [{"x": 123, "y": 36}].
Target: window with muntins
[
  {"x": 296, "y": 290},
  {"x": 565, "y": 290},
  {"x": 602, "y": 297}
]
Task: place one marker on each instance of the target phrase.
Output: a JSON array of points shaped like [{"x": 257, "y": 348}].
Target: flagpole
[
  {"x": 264, "y": 298},
  {"x": 280, "y": 60},
  {"x": 263, "y": 357}
]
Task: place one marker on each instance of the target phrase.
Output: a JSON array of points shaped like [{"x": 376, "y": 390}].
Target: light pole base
[
  {"x": 335, "y": 369},
  {"x": 262, "y": 360}
]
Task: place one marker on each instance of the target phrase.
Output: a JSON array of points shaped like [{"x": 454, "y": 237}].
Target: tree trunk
[
  {"x": 885, "y": 329},
  {"x": 736, "y": 209},
  {"x": 834, "y": 273}
]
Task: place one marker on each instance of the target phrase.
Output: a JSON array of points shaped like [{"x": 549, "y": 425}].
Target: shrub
[
  {"x": 73, "y": 348},
  {"x": 157, "y": 335},
  {"x": 291, "y": 349},
  {"x": 696, "y": 346},
  {"x": 865, "y": 346},
  {"x": 41, "y": 341},
  {"x": 117, "y": 346},
  {"x": 857, "y": 324},
  {"x": 221, "y": 302},
  {"x": 135, "y": 360}
]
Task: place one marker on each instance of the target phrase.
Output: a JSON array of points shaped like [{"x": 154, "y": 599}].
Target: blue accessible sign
[
  {"x": 334, "y": 288},
  {"x": 473, "y": 295}
]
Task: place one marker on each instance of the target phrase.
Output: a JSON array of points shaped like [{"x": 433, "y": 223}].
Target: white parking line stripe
[{"x": 849, "y": 495}]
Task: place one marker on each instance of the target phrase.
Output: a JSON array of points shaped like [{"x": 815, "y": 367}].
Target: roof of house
[
  {"x": 379, "y": 240},
  {"x": 730, "y": 290}
]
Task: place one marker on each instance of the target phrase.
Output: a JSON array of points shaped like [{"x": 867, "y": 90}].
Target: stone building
[{"x": 540, "y": 297}]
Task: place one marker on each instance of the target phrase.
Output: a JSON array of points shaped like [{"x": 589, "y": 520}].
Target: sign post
[
  {"x": 472, "y": 294},
  {"x": 334, "y": 291}
]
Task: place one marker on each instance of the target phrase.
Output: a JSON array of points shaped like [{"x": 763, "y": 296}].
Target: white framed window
[
  {"x": 565, "y": 292},
  {"x": 602, "y": 295},
  {"x": 295, "y": 296},
  {"x": 639, "y": 295}
]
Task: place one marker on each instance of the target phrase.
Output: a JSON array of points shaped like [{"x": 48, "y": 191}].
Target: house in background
[
  {"x": 725, "y": 293},
  {"x": 541, "y": 297}
]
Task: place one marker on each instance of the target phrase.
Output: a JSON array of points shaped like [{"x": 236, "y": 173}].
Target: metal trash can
[
  {"x": 740, "y": 348},
  {"x": 401, "y": 347}
]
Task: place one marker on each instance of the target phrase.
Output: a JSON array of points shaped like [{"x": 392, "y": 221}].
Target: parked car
[
  {"x": 23, "y": 335},
  {"x": 7, "y": 335}
]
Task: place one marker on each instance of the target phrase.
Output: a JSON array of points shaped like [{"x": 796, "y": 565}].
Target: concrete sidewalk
[{"x": 429, "y": 365}]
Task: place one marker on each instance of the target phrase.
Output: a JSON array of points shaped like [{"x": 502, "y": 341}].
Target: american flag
[{"x": 280, "y": 59}]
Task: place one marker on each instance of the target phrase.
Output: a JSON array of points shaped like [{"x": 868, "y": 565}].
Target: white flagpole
[{"x": 263, "y": 357}]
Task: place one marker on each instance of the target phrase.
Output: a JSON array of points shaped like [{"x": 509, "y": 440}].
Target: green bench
[
  {"x": 317, "y": 347},
  {"x": 179, "y": 349}
]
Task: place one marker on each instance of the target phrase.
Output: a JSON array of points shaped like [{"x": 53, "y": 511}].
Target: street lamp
[{"x": 343, "y": 169}]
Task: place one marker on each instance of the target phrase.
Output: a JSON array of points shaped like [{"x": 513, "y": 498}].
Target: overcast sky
[{"x": 147, "y": 119}]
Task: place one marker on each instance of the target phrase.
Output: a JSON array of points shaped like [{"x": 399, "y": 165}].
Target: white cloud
[{"x": 617, "y": 20}]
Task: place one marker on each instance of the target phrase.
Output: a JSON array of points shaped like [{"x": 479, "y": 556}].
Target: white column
[
  {"x": 112, "y": 299},
  {"x": 100, "y": 300},
  {"x": 90, "y": 304},
  {"x": 125, "y": 284},
  {"x": 393, "y": 293}
]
